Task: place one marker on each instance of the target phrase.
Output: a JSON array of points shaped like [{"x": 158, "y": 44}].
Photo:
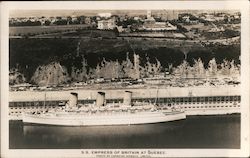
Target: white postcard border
[{"x": 181, "y": 5}]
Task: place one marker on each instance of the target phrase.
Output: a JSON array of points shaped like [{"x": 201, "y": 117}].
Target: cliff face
[
  {"x": 51, "y": 74},
  {"x": 55, "y": 74},
  {"x": 57, "y": 61},
  {"x": 15, "y": 77},
  {"x": 225, "y": 69}
]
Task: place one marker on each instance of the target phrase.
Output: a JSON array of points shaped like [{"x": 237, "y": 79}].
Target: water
[{"x": 195, "y": 132}]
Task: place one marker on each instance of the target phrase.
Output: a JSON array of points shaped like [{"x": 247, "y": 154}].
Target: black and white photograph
[{"x": 143, "y": 81}]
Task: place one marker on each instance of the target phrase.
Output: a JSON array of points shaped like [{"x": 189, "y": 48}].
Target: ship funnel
[
  {"x": 127, "y": 98},
  {"x": 100, "y": 100},
  {"x": 73, "y": 100}
]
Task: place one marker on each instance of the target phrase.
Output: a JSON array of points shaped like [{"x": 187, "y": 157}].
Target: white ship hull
[{"x": 103, "y": 119}]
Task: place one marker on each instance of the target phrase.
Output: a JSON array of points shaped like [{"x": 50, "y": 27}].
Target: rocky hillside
[
  {"x": 16, "y": 77},
  {"x": 58, "y": 61},
  {"x": 51, "y": 74}
]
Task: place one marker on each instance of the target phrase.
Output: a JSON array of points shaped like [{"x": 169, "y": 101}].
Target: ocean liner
[{"x": 101, "y": 113}]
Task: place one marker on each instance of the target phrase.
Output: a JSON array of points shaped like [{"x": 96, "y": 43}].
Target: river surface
[{"x": 195, "y": 132}]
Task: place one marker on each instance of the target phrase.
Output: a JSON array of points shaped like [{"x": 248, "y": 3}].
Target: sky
[{"x": 52, "y": 13}]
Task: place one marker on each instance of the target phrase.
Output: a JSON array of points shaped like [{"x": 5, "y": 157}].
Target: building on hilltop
[
  {"x": 108, "y": 24},
  {"x": 172, "y": 15},
  {"x": 150, "y": 24}
]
